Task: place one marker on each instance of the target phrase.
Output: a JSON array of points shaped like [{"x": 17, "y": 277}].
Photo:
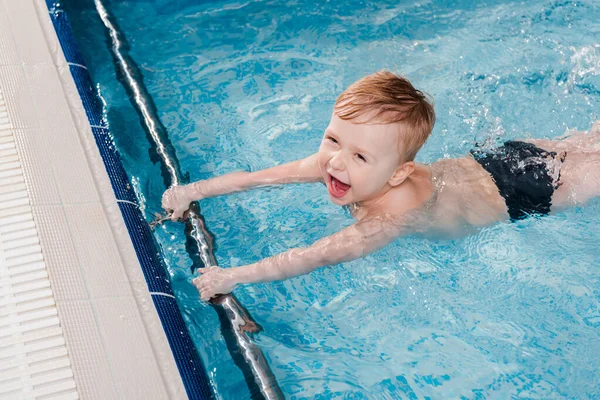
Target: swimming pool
[{"x": 510, "y": 311}]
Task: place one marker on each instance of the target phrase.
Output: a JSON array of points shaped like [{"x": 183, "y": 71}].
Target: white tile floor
[
  {"x": 73, "y": 320},
  {"x": 32, "y": 344}
]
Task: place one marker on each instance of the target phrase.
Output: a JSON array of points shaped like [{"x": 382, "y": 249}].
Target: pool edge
[{"x": 105, "y": 312}]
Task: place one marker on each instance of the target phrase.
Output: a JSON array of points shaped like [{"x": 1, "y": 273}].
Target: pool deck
[{"x": 76, "y": 317}]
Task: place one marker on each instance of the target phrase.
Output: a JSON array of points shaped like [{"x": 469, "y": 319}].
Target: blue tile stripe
[
  {"x": 112, "y": 162},
  {"x": 189, "y": 364},
  {"x": 64, "y": 33},
  {"x": 89, "y": 98},
  {"x": 152, "y": 263}
]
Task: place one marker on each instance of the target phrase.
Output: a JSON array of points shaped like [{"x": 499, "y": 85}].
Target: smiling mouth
[{"x": 337, "y": 188}]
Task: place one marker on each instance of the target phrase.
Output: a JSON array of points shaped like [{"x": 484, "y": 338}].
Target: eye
[
  {"x": 334, "y": 140},
  {"x": 361, "y": 157}
]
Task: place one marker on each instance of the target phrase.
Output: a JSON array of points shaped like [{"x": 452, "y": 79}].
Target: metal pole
[{"x": 236, "y": 323}]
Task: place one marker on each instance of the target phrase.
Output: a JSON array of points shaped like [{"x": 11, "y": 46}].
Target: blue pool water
[{"x": 511, "y": 311}]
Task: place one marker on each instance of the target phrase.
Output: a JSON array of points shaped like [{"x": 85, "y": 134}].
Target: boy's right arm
[{"x": 178, "y": 198}]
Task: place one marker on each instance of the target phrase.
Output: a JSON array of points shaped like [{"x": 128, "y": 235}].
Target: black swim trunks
[{"x": 526, "y": 176}]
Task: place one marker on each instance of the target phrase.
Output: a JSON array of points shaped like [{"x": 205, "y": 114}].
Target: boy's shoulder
[{"x": 411, "y": 195}]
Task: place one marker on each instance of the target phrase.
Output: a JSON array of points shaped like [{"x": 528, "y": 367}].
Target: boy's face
[{"x": 357, "y": 161}]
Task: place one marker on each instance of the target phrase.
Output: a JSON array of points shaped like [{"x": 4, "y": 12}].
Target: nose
[{"x": 336, "y": 162}]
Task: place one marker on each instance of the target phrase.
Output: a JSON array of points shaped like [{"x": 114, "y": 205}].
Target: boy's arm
[
  {"x": 357, "y": 240},
  {"x": 178, "y": 198}
]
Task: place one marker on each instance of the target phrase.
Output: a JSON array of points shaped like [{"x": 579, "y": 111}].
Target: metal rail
[{"x": 236, "y": 323}]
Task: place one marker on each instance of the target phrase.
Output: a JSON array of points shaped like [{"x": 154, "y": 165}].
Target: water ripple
[{"x": 510, "y": 311}]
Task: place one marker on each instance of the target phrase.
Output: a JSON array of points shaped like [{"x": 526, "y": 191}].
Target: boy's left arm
[{"x": 357, "y": 240}]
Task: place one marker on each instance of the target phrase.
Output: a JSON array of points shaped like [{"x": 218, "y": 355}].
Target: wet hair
[{"x": 389, "y": 98}]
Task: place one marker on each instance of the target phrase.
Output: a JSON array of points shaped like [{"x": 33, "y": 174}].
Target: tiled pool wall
[{"x": 188, "y": 361}]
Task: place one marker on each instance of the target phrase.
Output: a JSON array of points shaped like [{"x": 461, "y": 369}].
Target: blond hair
[{"x": 392, "y": 98}]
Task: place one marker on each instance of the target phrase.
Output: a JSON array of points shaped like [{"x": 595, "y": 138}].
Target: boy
[{"x": 366, "y": 161}]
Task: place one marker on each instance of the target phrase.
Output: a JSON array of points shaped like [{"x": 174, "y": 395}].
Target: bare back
[
  {"x": 465, "y": 196},
  {"x": 447, "y": 198}
]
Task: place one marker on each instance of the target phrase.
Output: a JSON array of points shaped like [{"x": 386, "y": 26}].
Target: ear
[{"x": 401, "y": 173}]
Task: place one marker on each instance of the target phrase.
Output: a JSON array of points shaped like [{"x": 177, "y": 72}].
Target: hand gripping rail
[{"x": 236, "y": 322}]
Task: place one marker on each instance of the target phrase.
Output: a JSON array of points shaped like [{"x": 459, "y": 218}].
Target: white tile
[
  {"x": 71, "y": 170},
  {"x": 88, "y": 356},
  {"x": 66, "y": 276},
  {"x": 37, "y": 167},
  {"x": 27, "y": 32},
  {"x": 97, "y": 252},
  {"x": 49, "y": 33},
  {"x": 86, "y": 136},
  {"x": 43, "y": 83},
  {"x": 63, "y": 144},
  {"x": 126, "y": 339},
  {"x": 125, "y": 246},
  {"x": 15, "y": 90},
  {"x": 8, "y": 48}
]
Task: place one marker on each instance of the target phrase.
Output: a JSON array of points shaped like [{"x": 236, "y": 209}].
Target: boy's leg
[
  {"x": 580, "y": 141},
  {"x": 580, "y": 171},
  {"x": 572, "y": 141},
  {"x": 579, "y": 178}
]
